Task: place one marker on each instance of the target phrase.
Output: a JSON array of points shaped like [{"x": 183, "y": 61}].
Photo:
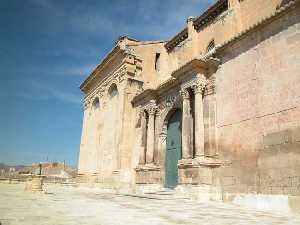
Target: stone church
[{"x": 214, "y": 110}]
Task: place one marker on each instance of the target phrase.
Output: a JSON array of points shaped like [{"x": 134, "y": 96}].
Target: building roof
[
  {"x": 205, "y": 18},
  {"x": 115, "y": 51},
  {"x": 178, "y": 38},
  {"x": 101, "y": 65},
  {"x": 210, "y": 14}
]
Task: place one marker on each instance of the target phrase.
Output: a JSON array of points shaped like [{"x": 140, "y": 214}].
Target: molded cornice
[
  {"x": 115, "y": 51},
  {"x": 278, "y": 13},
  {"x": 198, "y": 65}
]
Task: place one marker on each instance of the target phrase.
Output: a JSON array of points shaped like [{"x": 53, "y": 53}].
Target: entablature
[{"x": 195, "y": 74}]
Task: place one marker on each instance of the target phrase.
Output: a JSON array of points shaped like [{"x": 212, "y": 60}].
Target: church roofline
[
  {"x": 116, "y": 50},
  {"x": 147, "y": 42},
  {"x": 210, "y": 14},
  {"x": 122, "y": 37},
  {"x": 198, "y": 22},
  {"x": 174, "y": 41},
  {"x": 278, "y": 13}
]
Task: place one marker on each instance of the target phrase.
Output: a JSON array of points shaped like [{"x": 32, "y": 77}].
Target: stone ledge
[
  {"x": 200, "y": 162},
  {"x": 147, "y": 167}
]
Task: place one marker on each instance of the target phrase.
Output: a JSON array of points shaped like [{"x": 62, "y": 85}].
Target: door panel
[{"x": 173, "y": 150}]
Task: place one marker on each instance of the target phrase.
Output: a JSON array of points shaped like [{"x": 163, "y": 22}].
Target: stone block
[
  {"x": 277, "y": 138},
  {"x": 228, "y": 181},
  {"x": 34, "y": 184},
  {"x": 296, "y": 135},
  {"x": 293, "y": 39},
  {"x": 276, "y": 190},
  {"x": 296, "y": 181},
  {"x": 292, "y": 191},
  {"x": 286, "y": 182}
]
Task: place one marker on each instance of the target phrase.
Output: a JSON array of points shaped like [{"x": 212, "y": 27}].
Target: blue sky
[{"x": 48, "y": 47}]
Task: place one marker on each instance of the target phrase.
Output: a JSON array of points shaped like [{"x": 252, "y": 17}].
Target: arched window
[
  {"x": 96, "y": 103},
  {"x": 157, "y": 62},
  {"x": 210, "y": 46},
  {"x": 113, "y": 91}
]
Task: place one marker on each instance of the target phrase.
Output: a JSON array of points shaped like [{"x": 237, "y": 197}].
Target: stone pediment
[{"x": 118, "y": 64}]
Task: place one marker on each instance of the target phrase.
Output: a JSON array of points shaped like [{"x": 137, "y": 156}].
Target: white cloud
[
  {"x": 43, "y": 3},
  {"x": 151, "y": 18},
  {"x": 83, "y": 70},
  {"x": 41, "y": 92}
]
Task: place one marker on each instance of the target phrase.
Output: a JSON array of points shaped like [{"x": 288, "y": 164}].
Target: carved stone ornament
[
  {"x": 199, "y": 87},
  {"x": 170, "y": 100},
  {"x": 86, "y": 105},
  {"x": 151, "y": 108},
  {"x": 185, "y": 94},
  {"x": 162, "y": 137}
]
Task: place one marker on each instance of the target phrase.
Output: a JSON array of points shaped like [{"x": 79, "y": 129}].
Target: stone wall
[
  {"x": 258, "y": 110},
  {"x": 251, "y": 105}
]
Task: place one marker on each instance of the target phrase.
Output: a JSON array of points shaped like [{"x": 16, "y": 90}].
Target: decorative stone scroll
[
  {"x": 199, "y": 87},
  {"x": 185, "y": 94},
  {"x": 86, "y": 104},
  {"x": 151, "y": 108}
]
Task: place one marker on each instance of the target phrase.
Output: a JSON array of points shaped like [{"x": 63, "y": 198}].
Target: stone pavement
[{"x": 88, "y": 206}]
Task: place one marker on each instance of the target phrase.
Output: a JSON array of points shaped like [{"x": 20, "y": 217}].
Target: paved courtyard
[{"x": 84, "y": 206}]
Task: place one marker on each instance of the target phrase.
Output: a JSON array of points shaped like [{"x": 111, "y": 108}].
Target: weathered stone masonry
[{"x": 233, "y": 74}]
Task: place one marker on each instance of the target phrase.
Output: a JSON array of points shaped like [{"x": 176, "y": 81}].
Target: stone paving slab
[{"x": 87, "y": 206}]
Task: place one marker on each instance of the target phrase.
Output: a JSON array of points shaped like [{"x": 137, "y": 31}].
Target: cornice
[
  {"x": 147, "y": 43},
  {"x": 178, "y": 38},
  {"x": 198, "y": 64},
  {"x": 278, "y": 13},
  {"x": 167, "y": 85},
  {"x": 146, "y": 94},
  {"x": 115, "y": 51},
  {"x": 210, "y": 14}
]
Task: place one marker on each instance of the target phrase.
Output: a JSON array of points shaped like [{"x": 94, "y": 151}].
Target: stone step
[
  {"x": 152, "y": 196},
  {"x": 161, "y": 194},
  {"x": 164, "y": 191}
]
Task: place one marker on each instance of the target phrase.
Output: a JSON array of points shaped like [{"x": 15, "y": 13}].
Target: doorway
[{"x": 173, "y": 149}]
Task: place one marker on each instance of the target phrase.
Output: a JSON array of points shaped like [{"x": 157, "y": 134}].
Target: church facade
[{"x": 214, "y": 110}]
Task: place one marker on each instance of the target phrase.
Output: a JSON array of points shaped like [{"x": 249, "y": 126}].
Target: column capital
[
  {"x": 199, "y": 87},
  {"x": 151, "y": 108},
  {"x": 185, "y": 94}
]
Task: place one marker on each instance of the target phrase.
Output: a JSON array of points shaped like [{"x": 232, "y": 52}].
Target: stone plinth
[
  {"x": 197, "y": 171},
  {"x": 34, "y": 184},
  {"x": 148, "y": 174}
]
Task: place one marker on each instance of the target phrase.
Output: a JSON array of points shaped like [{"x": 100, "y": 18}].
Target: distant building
[{"x": 214, "y": 110}]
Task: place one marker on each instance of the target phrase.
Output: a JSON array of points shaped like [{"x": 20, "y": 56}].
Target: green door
[{"x": 173, "y": 151}]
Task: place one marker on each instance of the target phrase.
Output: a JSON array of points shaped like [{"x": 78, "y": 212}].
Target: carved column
[
  {"x": 150, "y": 135},
  {"x": 142, "y": 159},
  {"x": 199, "y": 120},
  {"x": 186, "y": 125}
]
